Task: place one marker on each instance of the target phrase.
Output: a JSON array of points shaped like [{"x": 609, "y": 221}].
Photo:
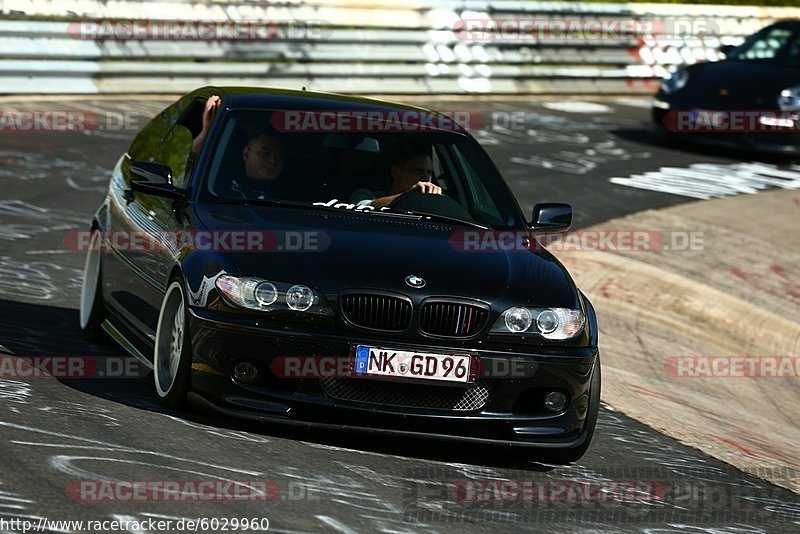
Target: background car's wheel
[
  {"x": 92, "y": 307},
  {"x": 574, "y": 454},
  {"x": 172, "y": 359}
]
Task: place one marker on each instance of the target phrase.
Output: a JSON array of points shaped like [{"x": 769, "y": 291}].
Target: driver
[{"x": 411, "y": 169}]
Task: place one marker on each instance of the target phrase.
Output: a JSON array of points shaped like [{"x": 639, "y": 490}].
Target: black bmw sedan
[
  {"x": 346, "y": 263},
  {"x": 749, "y": 101}
]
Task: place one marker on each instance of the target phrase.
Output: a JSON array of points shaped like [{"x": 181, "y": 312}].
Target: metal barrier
[{"x": 361, "y": 46}]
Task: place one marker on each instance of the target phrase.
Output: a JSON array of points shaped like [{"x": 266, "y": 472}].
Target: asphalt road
[{"x": 55, "y": 433}]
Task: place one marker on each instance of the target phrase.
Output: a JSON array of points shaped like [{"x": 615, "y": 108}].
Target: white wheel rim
[
  {"x": 91, "y": 274},
  {"x": 169, "y": 339}
]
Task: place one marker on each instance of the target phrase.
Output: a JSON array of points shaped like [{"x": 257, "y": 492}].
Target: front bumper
[
  {"x": 783, "y": 141},
  {"x": 509, "y": 410}
]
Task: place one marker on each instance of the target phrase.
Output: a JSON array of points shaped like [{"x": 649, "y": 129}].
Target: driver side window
[
  {"x": 174, "y": 153},
  {"x": 479, "y": 197},
  {"x": 768, "y": 45}
]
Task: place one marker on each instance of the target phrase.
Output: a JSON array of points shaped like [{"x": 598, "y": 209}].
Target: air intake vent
[
  {"x": 376, "y": 311},
  {"x": 458, "y": 399},
  {"x": 452, "y": 319}
]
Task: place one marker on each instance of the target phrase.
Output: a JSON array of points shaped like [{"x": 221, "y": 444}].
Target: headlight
[
  {"x": 675, "y": 82},
  {"x": 550, "y": 323},
  {"x": 264, "y": 295},
  {"x": 547, "y": 321},
  {"x": 299, "y": 298},
  {"x": 789, "y": 99},
  {"x": 518, "y": 319}
]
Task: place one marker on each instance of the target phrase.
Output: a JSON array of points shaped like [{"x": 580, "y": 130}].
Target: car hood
[
  {"x": 377, "y": 252},
  {"x": 742, "y": 85}
]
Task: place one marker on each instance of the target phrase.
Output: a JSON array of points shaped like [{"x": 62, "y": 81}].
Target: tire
[
  {"x": 92, "y": 307},
  {"x": 172, "y": 360},
  {"x": 566, "y": 456}
]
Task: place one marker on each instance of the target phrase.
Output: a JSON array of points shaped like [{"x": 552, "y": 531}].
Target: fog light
[
  {"x": 246, "y": 372},
  {"x": 555, "y": 401}
]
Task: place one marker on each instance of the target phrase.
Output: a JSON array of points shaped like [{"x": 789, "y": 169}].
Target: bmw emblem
[{"x": 415, "y": 281}]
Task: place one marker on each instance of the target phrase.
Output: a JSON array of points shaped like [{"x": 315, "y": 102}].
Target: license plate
[{"x": 406, "y": 364}]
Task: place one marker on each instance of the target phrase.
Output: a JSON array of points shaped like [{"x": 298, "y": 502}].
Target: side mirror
[
  {"x": 551, "y": 217},
  {"x": 153, "y": 179},
  {"x": 151, "y": 172}
]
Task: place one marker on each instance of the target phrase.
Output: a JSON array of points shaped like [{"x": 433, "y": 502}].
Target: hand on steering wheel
[{"x": 427, "y": 188}]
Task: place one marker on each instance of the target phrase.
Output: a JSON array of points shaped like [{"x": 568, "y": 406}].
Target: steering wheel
[{"x": 417, "y": 201}]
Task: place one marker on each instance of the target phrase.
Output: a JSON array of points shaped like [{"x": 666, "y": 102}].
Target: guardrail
[{"x": 375, "y": 46}]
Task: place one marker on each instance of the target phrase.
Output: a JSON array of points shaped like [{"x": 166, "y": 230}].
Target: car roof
[
  {"x": 267, "y": 97},
  {"x": 789, "y": 23},
  {"x": 289, "y": 99}
]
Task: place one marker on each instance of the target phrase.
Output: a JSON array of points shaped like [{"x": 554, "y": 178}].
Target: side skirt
[{"x": 129, "y": 347}]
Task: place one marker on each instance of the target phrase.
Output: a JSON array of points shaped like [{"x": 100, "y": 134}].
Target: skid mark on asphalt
[
  {"x": 415, "y": 495},
  {"x": 781, "y": 282},
  {"x": 23, "y": 220},
  {"x": 13, "y": 394},
  {"x": 92, "y": 415},
  {"x": 33, "y": 167},
  {"x": 99, "y": 460},
  {"x": 712, "y": 180},
  {"x": 576, "y": 150},
  {"x": 585, "y": 158},
  {"x": 14, "y": 506},
  {"x": 35, "y": 281}
]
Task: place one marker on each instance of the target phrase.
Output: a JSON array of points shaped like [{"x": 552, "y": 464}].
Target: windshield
[
  {"x": 390, "y": 168},
  {"x": 778, "y": 44}
]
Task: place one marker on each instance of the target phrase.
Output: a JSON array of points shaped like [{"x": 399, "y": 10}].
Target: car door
[{"x": 144, "y": 228}]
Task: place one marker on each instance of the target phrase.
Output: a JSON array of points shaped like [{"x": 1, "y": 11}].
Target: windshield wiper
[
  {"x": 265, "y": 202},
  {"x": 392, "y": 212},
  {"x": 288, "y": 204},
  {"x": 436, "y": 217}
]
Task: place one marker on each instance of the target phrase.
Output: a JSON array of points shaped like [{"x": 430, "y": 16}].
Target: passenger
[
  {"x": 212, "y": 103},
  {"x": 410, "y": 169},
  {"x": 264, "y": 156}
]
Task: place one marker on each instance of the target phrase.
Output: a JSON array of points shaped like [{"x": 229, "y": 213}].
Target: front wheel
[
  {"x": 91, "y": 311},
  {"x": 172, "y": 358}
]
